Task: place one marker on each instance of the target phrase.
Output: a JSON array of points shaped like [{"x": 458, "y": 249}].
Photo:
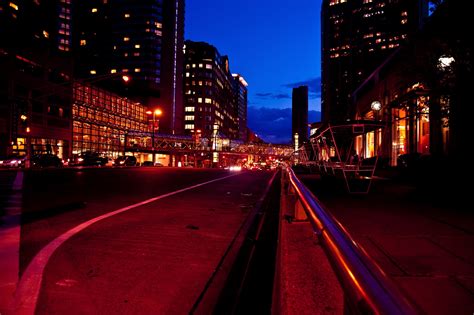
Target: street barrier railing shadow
[{"x": 367, "y": 289}]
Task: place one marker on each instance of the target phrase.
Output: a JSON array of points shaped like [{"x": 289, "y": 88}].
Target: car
[
  {"x": 151, "y": 164},
  {"x": 89, "y": 159},
  {"x": 46, "y": 160},
  {"x": 13, "y": 161},
  {"x": 125, "y": 160}
]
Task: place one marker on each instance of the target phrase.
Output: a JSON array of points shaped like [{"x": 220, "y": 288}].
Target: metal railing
[{"x": 367, "y": 289}]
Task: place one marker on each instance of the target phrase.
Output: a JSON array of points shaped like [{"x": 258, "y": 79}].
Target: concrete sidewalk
[{"x": 423, "y": 241}]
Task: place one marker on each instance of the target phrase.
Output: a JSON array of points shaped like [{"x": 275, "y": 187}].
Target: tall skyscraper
[
  {"x": 209, "y": 92},
  {"x": 35, "y": 63},
  {"x": 240, "y": 87},
  {"x": 357, "y": 35},
  {"x": 143, "y": 38},
  {"x": 299, "y": 115}
]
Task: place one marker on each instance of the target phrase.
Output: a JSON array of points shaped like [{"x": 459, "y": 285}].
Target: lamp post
[{"x": 156, "y": 125}]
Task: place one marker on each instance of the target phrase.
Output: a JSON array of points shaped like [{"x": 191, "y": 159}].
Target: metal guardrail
[{"x": 367, "y": 289}]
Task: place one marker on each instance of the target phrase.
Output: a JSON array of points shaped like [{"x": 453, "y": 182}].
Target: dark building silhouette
[
  {"x": 240, "y": 87},
  {"x": 36, "y": 66},
  {"x": 299, "y": 114},
  {"x": 357, "y": 35},
  {"x": 211, "y": 103},
  {"x": 143, "y": 39},
  {"x": 424, "y": 93}
]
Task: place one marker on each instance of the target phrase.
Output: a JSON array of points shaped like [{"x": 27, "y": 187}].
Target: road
[{"x": 132, "y": 240}]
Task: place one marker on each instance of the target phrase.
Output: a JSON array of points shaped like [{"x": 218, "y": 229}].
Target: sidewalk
[{"x": 419, "y": 235}]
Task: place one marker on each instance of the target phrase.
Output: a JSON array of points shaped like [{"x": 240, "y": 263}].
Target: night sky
[{"x": 274, "y": 45}]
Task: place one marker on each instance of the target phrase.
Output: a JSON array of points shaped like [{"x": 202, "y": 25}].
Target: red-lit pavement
[
  {"x": 422, "y": 241},
  {"x": 154, "y": 258}
]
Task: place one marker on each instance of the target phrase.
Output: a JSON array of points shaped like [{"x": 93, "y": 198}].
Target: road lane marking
[{"x": 27, "y": 293}]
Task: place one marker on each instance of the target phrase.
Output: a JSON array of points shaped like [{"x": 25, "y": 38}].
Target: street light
[{"x": 156, "y": 125}]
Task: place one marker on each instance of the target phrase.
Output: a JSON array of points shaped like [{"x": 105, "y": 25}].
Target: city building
[
  {"x": 240, "y": 86},
  {"x": 299, "y": 115},
  {"x": 210, "y": 102},
  {"x": 357, "y": 35},
  {"x": 143, "y": 39},
  {"x": 35, "y": 94},
  {"x": 421, "y": 93}
]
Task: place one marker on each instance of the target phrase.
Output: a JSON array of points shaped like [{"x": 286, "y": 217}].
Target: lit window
[
  {"x": 14, "y": 6},
  {"x": 126, "y": 39},
  {"x": 127, "y": 15},
  {"x": 188, "y": 117},
  {"x": 83, "y": 42},
  {"x": 94, "y": 10},
  {"x": 158, "y": 25},
  {"x": 189, "y": 109},
  {"x": 137, "y": 46},
  {"x": 404, "y": 21},
  {"x": 113, "y": 71},
  {"x": 194, "y": 65},
  {"x": 208, "y": 66},
  {"x": 189, "y": 126},
  {"x": 208, "y": 101},
  {"x": 93, "y": 72},
  {"x": 200, "y": 100},
  {"x": 45, "y": 34},
  {"x": 200, "y": 65},
  {"x": 137, "y": 69},
  {"x": 187, "y": 74},
  {"x": 124, "y": 70},
  {"x": 136, "y": 54}
]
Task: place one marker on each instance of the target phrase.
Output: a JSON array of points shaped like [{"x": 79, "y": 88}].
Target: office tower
[
  {"x": 142, "y": 38},
  {"x": 357, "y": 35},
  {"x": 35, "y": 63},
  {"x": 299, "y": 115},
  {"x": 240, "y": 86},
  {"x": 210, "y": 102}
]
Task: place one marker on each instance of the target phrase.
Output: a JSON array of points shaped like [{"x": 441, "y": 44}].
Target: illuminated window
[
  {"x": 137, "y": 69},
  {"x": 208, "y": 66},
  {"x": 404, "y": 21},
  {"x": 189, "y": 109},
  {"x": 126, "y": 15},
  {"x": 93, "y": 72},
  {"x": 194, "y": 65},
  {"x": 200, "y": 65},
  {"x": 136, "y": 54},
  {"x": 187, "y": 74},
  {"x": 158, "y": 25},
  {"x": 14, "y": 6},
  {"x": 208, "y": 101},
  {"x": 83, "y": 42},
  {"x": 126, "y": 39},
  {"x": 113, "y": 71},
  {"x": 94, "y": 10},
  {"x": 137, "y": 46},
  {"x": 188, "y": 117},
  {"x": 199, "y": 99},
  {"x": 189, "y": 126},
  {"x": 45, "y": 34}
]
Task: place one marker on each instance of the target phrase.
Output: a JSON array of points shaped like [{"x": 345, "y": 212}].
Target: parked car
[
  {"x": 150, "y": 163},
  {"x": 13, "y": 161},
  {"x": 46, "y": 160},
  {"x": 89, "y": 159},
  {"x": 126, "y": 160}
]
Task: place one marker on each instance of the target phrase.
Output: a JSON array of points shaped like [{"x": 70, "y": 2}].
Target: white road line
[{"x": 28, "y": 289}]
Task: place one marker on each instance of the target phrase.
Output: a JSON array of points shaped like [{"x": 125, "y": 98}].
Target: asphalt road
[{"x": 153, "y": 257}]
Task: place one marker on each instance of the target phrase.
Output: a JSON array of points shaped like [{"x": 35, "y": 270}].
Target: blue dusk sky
[{"x": 274, "y": 45}]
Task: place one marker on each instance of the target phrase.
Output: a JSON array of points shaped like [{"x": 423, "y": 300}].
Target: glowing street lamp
[{"x": 156, "y": 125}]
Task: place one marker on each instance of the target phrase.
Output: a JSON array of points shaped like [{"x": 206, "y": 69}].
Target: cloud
[
  {"x": 277, "y": 96},
  {"x": 274, "y": 124},
  {"x": 314, "y": 86}
]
